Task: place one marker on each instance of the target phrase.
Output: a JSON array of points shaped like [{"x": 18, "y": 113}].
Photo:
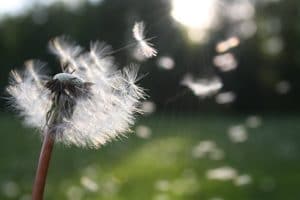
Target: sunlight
[{"x": 197, "y": 15}]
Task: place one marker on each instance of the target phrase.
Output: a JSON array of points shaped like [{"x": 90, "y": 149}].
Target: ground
[{"x": 165, "y": 166}]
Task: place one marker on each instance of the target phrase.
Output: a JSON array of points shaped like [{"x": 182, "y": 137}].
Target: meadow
[{"x": 163, "y": 165}]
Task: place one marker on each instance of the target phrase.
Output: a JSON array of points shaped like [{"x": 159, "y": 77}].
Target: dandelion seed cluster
[{"x": 100, "y": 101}]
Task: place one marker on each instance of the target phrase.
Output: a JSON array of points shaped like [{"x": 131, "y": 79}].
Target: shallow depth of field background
[{"x": 241, "y": 143}]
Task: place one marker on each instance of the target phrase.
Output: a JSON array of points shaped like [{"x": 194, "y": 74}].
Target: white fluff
[
  {"x": 28, "y": 96},
  {"x": 143, "y": 47},
  {"x": 107, "y": 115},
  {"x": 202, "y": 87}
]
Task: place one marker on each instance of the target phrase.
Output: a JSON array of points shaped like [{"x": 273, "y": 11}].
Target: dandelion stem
[{"x": 43, "y": 165}]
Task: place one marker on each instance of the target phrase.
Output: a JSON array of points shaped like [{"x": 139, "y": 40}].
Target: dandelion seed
[
  {"x": 216, "y": 198},
  {"x": 86, "y": 105},
  {"x": 185, "y": 185},
  {"x": 166, "y": 62},
  {"x": 145, "y": 47},
  {"x": 246, "y": 29},
  {"x": 143, "y": 132},
  {"x": 67, "y": 51},
  {"x": 111, "y": 187},
  {"x": 223, "y": 173},
  {"x": 202, "y": 87},
  {"x": 242, "y": 180},
  {"x": 225, "y": 98},
  {"x": 225, "y": 62},
  {"x": 237, "y": 134},
  {"x": 240, "y": 10}
]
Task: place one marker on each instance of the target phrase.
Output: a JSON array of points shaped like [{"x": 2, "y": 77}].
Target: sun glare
[{"x": 197, "y": 15}]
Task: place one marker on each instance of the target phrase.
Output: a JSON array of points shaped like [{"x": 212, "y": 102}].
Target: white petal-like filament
[{"x": 144, "y": 47}]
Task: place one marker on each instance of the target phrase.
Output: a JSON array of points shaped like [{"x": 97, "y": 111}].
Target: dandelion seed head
[
  {"x": 217, "y": 154},
  {"x": 138, "y": 31},
  {"x": 216, "y": 198},
  {"x": 228, "y": 44},
  {"x": 89, "y": 184},
  {"x": 27, "y": 96},
  {"x": 10, "y": 189},
  {"x": 203, "y": 148},
  {"x": 25, "y": 197},
  {"x": 148, "y": 107},
  {"x": 75, "y": 193},
  {"x": 87, "y": 105}
]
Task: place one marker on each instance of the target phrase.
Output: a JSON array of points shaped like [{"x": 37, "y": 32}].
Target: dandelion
[
  {"x": 144, "y": 47},
  {"x": 283, "y": 87},
  {"x": 228, "y": 44},
  {"x": 242, "y": 180},
  {"x": 166, "y": 62},
  {"x": 87, "y": 105},
  {"x": 253, "y": 121},
  {"x": 143, "y": 131}
]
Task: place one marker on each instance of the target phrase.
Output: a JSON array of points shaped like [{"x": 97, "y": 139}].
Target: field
[{"x": 165, "y": 166}]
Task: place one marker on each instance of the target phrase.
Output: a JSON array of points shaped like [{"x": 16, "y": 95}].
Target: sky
[{"x": 16, "y": 7}]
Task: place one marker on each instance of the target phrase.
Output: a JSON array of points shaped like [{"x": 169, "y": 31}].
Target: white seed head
[{"x": 105, "y": 114}]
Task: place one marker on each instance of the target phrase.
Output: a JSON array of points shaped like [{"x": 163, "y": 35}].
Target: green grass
[{"x": 161, "y": 167}]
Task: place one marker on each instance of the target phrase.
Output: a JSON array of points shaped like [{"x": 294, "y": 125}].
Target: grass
[{"x": 161, "y": 167}]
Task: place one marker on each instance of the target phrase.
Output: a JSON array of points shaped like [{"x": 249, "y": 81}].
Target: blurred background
[{"x": 222, "y": 118}]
